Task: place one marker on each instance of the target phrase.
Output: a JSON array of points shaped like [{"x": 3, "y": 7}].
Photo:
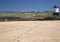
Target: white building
[{"x": 55, "y": 10}]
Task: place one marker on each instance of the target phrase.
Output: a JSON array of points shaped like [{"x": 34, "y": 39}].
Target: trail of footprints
[{"x": 19, "y": 38}]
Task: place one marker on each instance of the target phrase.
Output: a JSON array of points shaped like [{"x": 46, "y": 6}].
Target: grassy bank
[{"x": 32, "y": 12}]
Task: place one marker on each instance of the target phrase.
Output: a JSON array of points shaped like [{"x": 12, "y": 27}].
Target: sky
[{"x": 28, "y": 5}]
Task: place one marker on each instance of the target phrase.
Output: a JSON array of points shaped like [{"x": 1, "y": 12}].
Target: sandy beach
[{"x": 30, "y": 31}]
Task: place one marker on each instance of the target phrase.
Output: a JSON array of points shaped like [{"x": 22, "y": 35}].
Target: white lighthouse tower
[{"x": 55, "y": 10}]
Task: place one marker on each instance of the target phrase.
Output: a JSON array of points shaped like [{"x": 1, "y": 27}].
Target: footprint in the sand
[
  {"x": 43, "y": 40},
  {"x": 18, "y": 36},
  {"x": 35, "y": 41},
  {"x": 26, "y": 32},
  {"x": 57, "y": 40},
  {"x": 18, "y": 40},
  {"x": 21, "y": 35},
  {"x": 31, "y": 29},
  {"x": 13, "y": 39}
]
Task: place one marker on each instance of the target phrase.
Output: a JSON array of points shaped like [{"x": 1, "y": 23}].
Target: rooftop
[{"x": 55, "y": 6}]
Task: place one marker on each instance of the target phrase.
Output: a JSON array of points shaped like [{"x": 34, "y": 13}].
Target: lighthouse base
[{"x": 55, "y": 14}]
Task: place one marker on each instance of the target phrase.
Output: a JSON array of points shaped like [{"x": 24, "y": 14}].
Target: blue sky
[{"x": 28, "y": 5}]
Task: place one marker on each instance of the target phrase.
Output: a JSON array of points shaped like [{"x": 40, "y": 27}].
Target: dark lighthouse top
[{"x": 55, "y": 6}]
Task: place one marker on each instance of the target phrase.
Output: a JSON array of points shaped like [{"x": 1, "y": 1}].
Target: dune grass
[{"x": 32, "y": 12}]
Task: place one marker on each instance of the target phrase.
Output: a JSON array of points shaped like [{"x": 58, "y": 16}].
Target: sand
[{"x": 30, "y": 31}]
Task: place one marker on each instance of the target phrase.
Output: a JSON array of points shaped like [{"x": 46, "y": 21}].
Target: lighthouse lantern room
[{"x": 55, "y": 10}]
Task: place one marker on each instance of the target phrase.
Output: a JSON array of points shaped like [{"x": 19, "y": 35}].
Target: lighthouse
[{"x": 55, "y": 10}]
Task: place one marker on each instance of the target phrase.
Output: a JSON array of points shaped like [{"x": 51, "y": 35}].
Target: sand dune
[{"x": 30, "y": 31}]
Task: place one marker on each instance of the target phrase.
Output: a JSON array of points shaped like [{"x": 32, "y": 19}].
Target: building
[{"x": 55, "y": 10}]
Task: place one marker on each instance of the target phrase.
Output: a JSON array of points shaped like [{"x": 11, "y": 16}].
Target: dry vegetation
[
  {"x": 32, "y": 12},
  {"x": 30, "y": 31}
]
